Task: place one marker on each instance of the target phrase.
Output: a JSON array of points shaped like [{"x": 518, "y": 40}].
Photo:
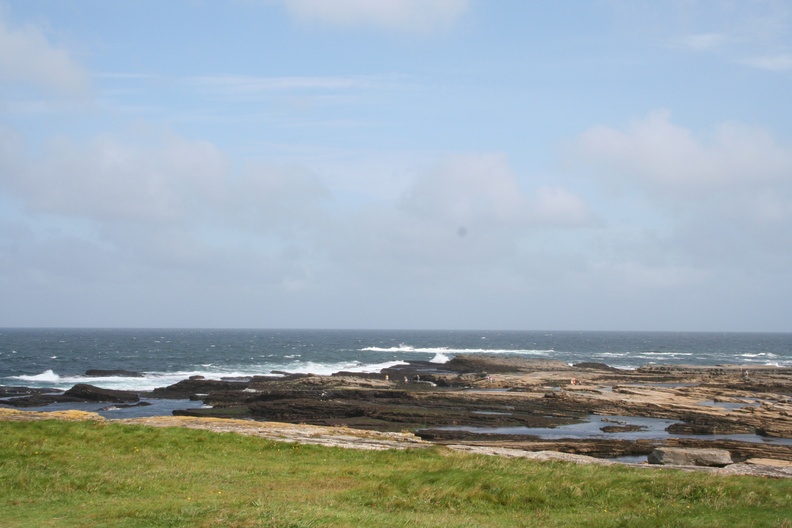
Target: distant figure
[
  {"x": 406, "y": 380},
  {"x": 387, "y": 377},
  {"x": 574, "y": 381}
]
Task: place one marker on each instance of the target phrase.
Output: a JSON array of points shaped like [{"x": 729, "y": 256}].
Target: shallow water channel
[
  {"x": 649, "y": 429},
  {"x": 111, "y": 411}
]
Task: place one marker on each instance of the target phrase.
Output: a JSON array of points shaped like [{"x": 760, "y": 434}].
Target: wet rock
[
  {"x": 80, "y": 393},
  {"x": 188, "y": 388},
  {"x": 39, "y": 400},
  {"x": 482, "y": 391},
  {"x": 709, "y": 427},
  {"x": 690, "y": 457},
  {"x": 8, "y": 392},
  {"x": 496, "y": 364},
  {"x": 622, "y": 428},
  {"x": 85, "y": 392},
  {"x": 98, "y": 373},
  {"x": 596, "y": 366}
]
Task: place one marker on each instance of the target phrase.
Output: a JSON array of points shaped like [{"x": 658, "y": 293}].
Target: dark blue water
[{"x": 59, "y": 358}]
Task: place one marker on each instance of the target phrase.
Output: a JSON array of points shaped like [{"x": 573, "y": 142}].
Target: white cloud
[
  {"x": 654, "y": 150},
  {"x": 753, "y": 33},
  {"x": 556, "y": 206},
  {"x": 481, "y": 191},
  {"x": 158, "y": 210},
  {"x": 726, "y": 199},
  {"x": 464, "y": 221},
  {"x": 410, "y": 16},
  {"x": 468, "y": 190},
  {"x": 160, "y": 180},
  {"x": 775, "y": 63},
  {"x": 109, "y": 179},
  {"x": 27, "y": 56}
]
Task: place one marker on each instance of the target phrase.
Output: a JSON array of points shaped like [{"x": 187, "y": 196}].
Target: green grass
[{"x": 93, "y": 474}]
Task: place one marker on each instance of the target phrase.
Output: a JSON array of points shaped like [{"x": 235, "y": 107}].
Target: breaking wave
[
  {"x": 447, "y": 350},
  {"x": 48, "y": 376},
  {"x": 152, "y": 380}
]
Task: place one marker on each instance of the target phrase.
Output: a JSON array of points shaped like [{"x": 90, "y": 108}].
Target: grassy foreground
[{"x": 87, "y": 474}]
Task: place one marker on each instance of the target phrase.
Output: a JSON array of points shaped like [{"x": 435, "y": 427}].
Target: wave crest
[
  {"x": 48, "y": 376},
  {"x": 446, "y": 350}
]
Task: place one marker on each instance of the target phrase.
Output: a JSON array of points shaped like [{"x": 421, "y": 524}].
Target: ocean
[{"x": 59, "y": 358}]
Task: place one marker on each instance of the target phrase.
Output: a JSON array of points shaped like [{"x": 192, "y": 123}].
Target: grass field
[{"x": 95, "y": 474}]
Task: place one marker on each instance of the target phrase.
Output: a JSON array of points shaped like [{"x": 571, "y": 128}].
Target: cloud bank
[{"x": 27, "y": 56}]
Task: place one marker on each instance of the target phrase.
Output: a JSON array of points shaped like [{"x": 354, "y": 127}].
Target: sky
[{"x": 386, "y": 164}]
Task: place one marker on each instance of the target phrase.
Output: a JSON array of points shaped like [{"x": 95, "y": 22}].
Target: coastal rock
[
  {"x": 690, "y": 457},
  {"x": 8, "y": 392},
  {"x": 372, "y": 440},
  {"x": 770, "y": 462},
  {"x": 501, "y": 392},
  {"x": 39, "y": 400},
  {"x": 85, "y": 392},
  {"x": 596, "y": 366},
  {"x": 495, "y": 364},
  {"x": 186, "y": 389},
  {"x": 99, "y": 373},
  {"x": 709, "y": 426},
  {"x": 80, "y": 393}
]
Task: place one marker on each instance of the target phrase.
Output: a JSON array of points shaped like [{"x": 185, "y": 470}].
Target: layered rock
[
  {"x": 85, "y": 392},
  {"x": 706, "y": 404},
  {"x": 679, "y": 456},
  {"x": 480, "y": 391},
  {"x": 100, "y": 373},
  {"x": 80, "y": 393}
]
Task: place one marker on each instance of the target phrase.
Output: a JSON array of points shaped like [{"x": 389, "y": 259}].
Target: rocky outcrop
[
  {"x": 99, "y": 373},
  {"x": 497, "y": 392},
  {"x": 445, "y": 404},
  {"x": 10, "y": 392},
  {"x": 85, "y": 392},
  {"x": 39, "y": 400},
  {"x": 372, "y": 440},
  {"x": 678, "y": 456},
  {"x": 499, "y": 364},
  {"x": 192, "y": 388},
  {"x": 80, "y": 393}
]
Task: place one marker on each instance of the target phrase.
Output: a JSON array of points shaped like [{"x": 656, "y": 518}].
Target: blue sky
[{"x": 478, "y": 164}]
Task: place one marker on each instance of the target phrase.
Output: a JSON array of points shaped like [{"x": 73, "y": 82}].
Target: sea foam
[
  {"x": 48, "y": 376},
  {"x": 448, "y": 350}
]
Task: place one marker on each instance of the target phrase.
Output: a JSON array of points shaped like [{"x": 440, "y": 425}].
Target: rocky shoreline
[{"x": 743, "y": 411}]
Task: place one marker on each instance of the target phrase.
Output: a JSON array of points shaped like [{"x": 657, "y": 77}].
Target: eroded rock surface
[
  {"x": 85, "y": 392},
  {"x": 481, "y": 391},
  {"x": 680, "y": 456},
  {"x": 707, "y": 407}
]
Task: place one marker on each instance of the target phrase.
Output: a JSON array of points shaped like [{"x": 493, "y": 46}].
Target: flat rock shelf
[{"x": 502, "y": 405}]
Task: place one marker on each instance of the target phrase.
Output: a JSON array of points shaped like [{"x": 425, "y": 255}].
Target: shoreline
[
  {"x": 705, "y": 407},
  {"x": 345, "y": 438}
]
